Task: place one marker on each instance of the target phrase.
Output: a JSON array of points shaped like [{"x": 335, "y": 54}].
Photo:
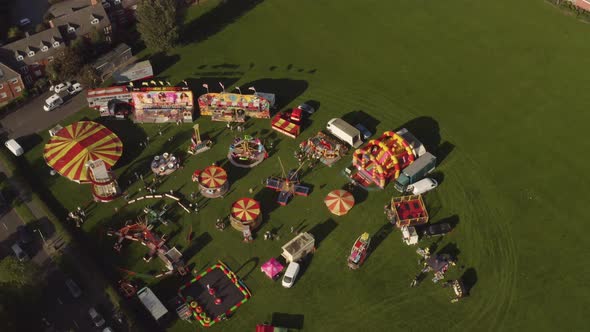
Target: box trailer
[
  {"x": 298, "y": 247},
  {"x": 345, "y": 132},
  {"x": 151, "y": 302},
  {"x": 416, "y": 171},
  {"x": 138, "y": 71}
]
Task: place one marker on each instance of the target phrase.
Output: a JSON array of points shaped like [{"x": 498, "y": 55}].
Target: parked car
[
  {"x": 108, "y": 329},
  {"x": 422, "y": 186},
  {"x": 73, "y": 288},
  {"x": 74, "y": 88},
  {"x": 306, "y": 108},
  {"x": 364, "y": 131},
  {"x": 23, "y": 22},
  {"x": 290, "y": 274},
  {"x": 24, "y": 235},
  {"x": 437, "y": 229},
  {"x": 20, "y": 254},
  {"x": 14, "y": 147},
  {"x": 52, "y": 103},
  {"x": 97, "y": 318},
  {"x": 119, "y": 108},
  {"x": 61, "y": 87}
]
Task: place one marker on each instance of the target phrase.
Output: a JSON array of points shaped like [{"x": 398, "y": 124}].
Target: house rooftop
[
  {"x": 67, "y": 7},
  {"x": 84, "y": 21},
  {"x": 6, "y": 73},
  {"x": 32, "y": 43}
]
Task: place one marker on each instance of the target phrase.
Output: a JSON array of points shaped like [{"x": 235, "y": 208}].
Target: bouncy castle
[{"x": 382, "y": 159}]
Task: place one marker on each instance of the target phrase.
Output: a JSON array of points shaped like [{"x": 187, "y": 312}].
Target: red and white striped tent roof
[{"x": 339, "y": 202}]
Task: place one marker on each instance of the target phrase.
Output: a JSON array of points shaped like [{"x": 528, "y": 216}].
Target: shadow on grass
[
  {"x": 254, "y": 261},
  {"x": 359, "y": 116},
  {"x": 450, "y": 249},
  {"x": 216, "y": 20},
  {"x": 160, "y": 62},
  {"x": 379, "y": 236},
  {"x": 197, "y": 245},
  {"x": 469, "y": 279},
  {"x": 130, "y": 135},
  {"x": 285, "y": 90},
  {"x": 321, "y": 230},
  {"x": 289, "y": 321}
]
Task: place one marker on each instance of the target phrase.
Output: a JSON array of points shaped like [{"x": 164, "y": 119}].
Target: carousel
[
  {"x": 212, "y": 181},
  {"x": 71, "y": 149},
  {"x": 165, "y": 164},
  {"x": 247, "y": 152},
  {"x": 245, "y": 214},
  {"x": 339, "y": 202},
  {"x": 321, "y": 147}
]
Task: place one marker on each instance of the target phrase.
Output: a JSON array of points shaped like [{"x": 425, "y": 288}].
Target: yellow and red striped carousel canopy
[
  {"x": 339, "y": 202},
  {"x": 73, "y": 146},
  {"x": 213, "y": 177},
  {"x": 245, "y": 209}
]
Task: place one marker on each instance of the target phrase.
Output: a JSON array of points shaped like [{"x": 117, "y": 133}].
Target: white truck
[
  {"x": 345, "y": 132},
  {"x": 151, "y": 302},
  {"x": 298, "y": 247}
]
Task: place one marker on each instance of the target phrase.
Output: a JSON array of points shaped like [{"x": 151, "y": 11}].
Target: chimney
[
  {"x": 94, "y": 2},
  {"x": 26, "y": 34},
  {"x": 51, "y": 25}
]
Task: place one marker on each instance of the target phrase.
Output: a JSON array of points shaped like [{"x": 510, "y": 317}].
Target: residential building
[
  {"x": 83, "y": 22},
  {"x": 11, "y": 84},
  {"x": 30, "y": 55}
]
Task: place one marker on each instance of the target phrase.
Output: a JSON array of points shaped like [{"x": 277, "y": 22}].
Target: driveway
[
  {"x": 31, "y": 9},
  {"x": 31, "y": 118}
]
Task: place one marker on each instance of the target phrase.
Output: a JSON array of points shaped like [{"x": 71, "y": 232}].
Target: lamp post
[
  {"x": 238, "y": 88},
  {"x": 41, "y": 234},
  {"x": 252, "y": 88}
]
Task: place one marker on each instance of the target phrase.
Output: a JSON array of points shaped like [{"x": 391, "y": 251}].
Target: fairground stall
[
  {"x": 162, "y": 104},
  {"x": 321, "y": 147},
  {"x": 245, "y": 214},
  {"x": 233, "y": 107}
]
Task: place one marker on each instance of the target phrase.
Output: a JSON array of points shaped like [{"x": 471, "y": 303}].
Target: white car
[
  {"x": 52, "y": 102},
  {"x": 422, "y": 186},
  {"x": 290, "y": 274},
  {"x": 74, "y": 88},
  {"x": 61, "y": 87},
  {"x": 97, "y": 319},
  {"x": 23, "y": 22},
  {"x": 306, "y": 108}
]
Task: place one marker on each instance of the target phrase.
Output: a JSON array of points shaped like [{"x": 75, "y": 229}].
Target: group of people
[{"x": 78, "y": 216}]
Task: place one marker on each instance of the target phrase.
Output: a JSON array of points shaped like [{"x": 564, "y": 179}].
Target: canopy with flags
[
  {"x": 339, "y": 202},
  {"x": 213, "y": 177},
  {"x": 272, "y": 268},
  {"x": 73, "y": 146}
]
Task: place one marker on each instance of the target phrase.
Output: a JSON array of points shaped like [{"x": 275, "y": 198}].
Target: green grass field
[{"x": 494, "y": 87}]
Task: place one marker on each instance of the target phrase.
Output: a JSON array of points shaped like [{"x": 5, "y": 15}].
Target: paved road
[
  {"x": 31, "y": 118},
  {"x": 31, "y": 9}
]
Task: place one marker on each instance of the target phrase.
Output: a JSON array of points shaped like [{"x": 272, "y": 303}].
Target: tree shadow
[
  {"x": 321, "y": 230},
  {"x": 216, "y": 20},
  {"x": 469, "y": 279},
  {"x": 288, "y": 321},
  {"x": 254, "y": 261},
  {"x": 285, "y": 90},
  {"x": 161, "y": 61}
]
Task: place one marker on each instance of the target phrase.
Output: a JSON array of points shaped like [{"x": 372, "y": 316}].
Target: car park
[
  {"x": 290, "y": 274},
  {"x": 20, "y": 254},
  {"x": 97, "y": 318},
  {"x": 74, "y": 88},
  {"x": 61, "y": 87},
  {"x": 364, "y": 131},
  {"x": 306, "y": 108},
  {"x": 24, "y": 235},
  {"x": 73, "y": 288}
]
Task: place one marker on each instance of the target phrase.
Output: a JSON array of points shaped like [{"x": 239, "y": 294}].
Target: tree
[
  {"x": 158, "y": 24},
  {"x": 15, "y": 33},
  {"x": 17, "y": 273},
  {"x": 41, "y": 84},
  {"x": 89, "y": 77},
  {"x": 66, "y": 65}
]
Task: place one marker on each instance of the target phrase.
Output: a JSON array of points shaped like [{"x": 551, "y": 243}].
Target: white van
[
  {"x": 14, "y": 147},
  {"x": 52, "y": 103},
  {"x": 96, "y": 317},
  {"x": 20, "y": 254},
  {"x": 290, "y": 274},
  {"x": 422, "y": 186},
  {"x": 345, "y": 132}
]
